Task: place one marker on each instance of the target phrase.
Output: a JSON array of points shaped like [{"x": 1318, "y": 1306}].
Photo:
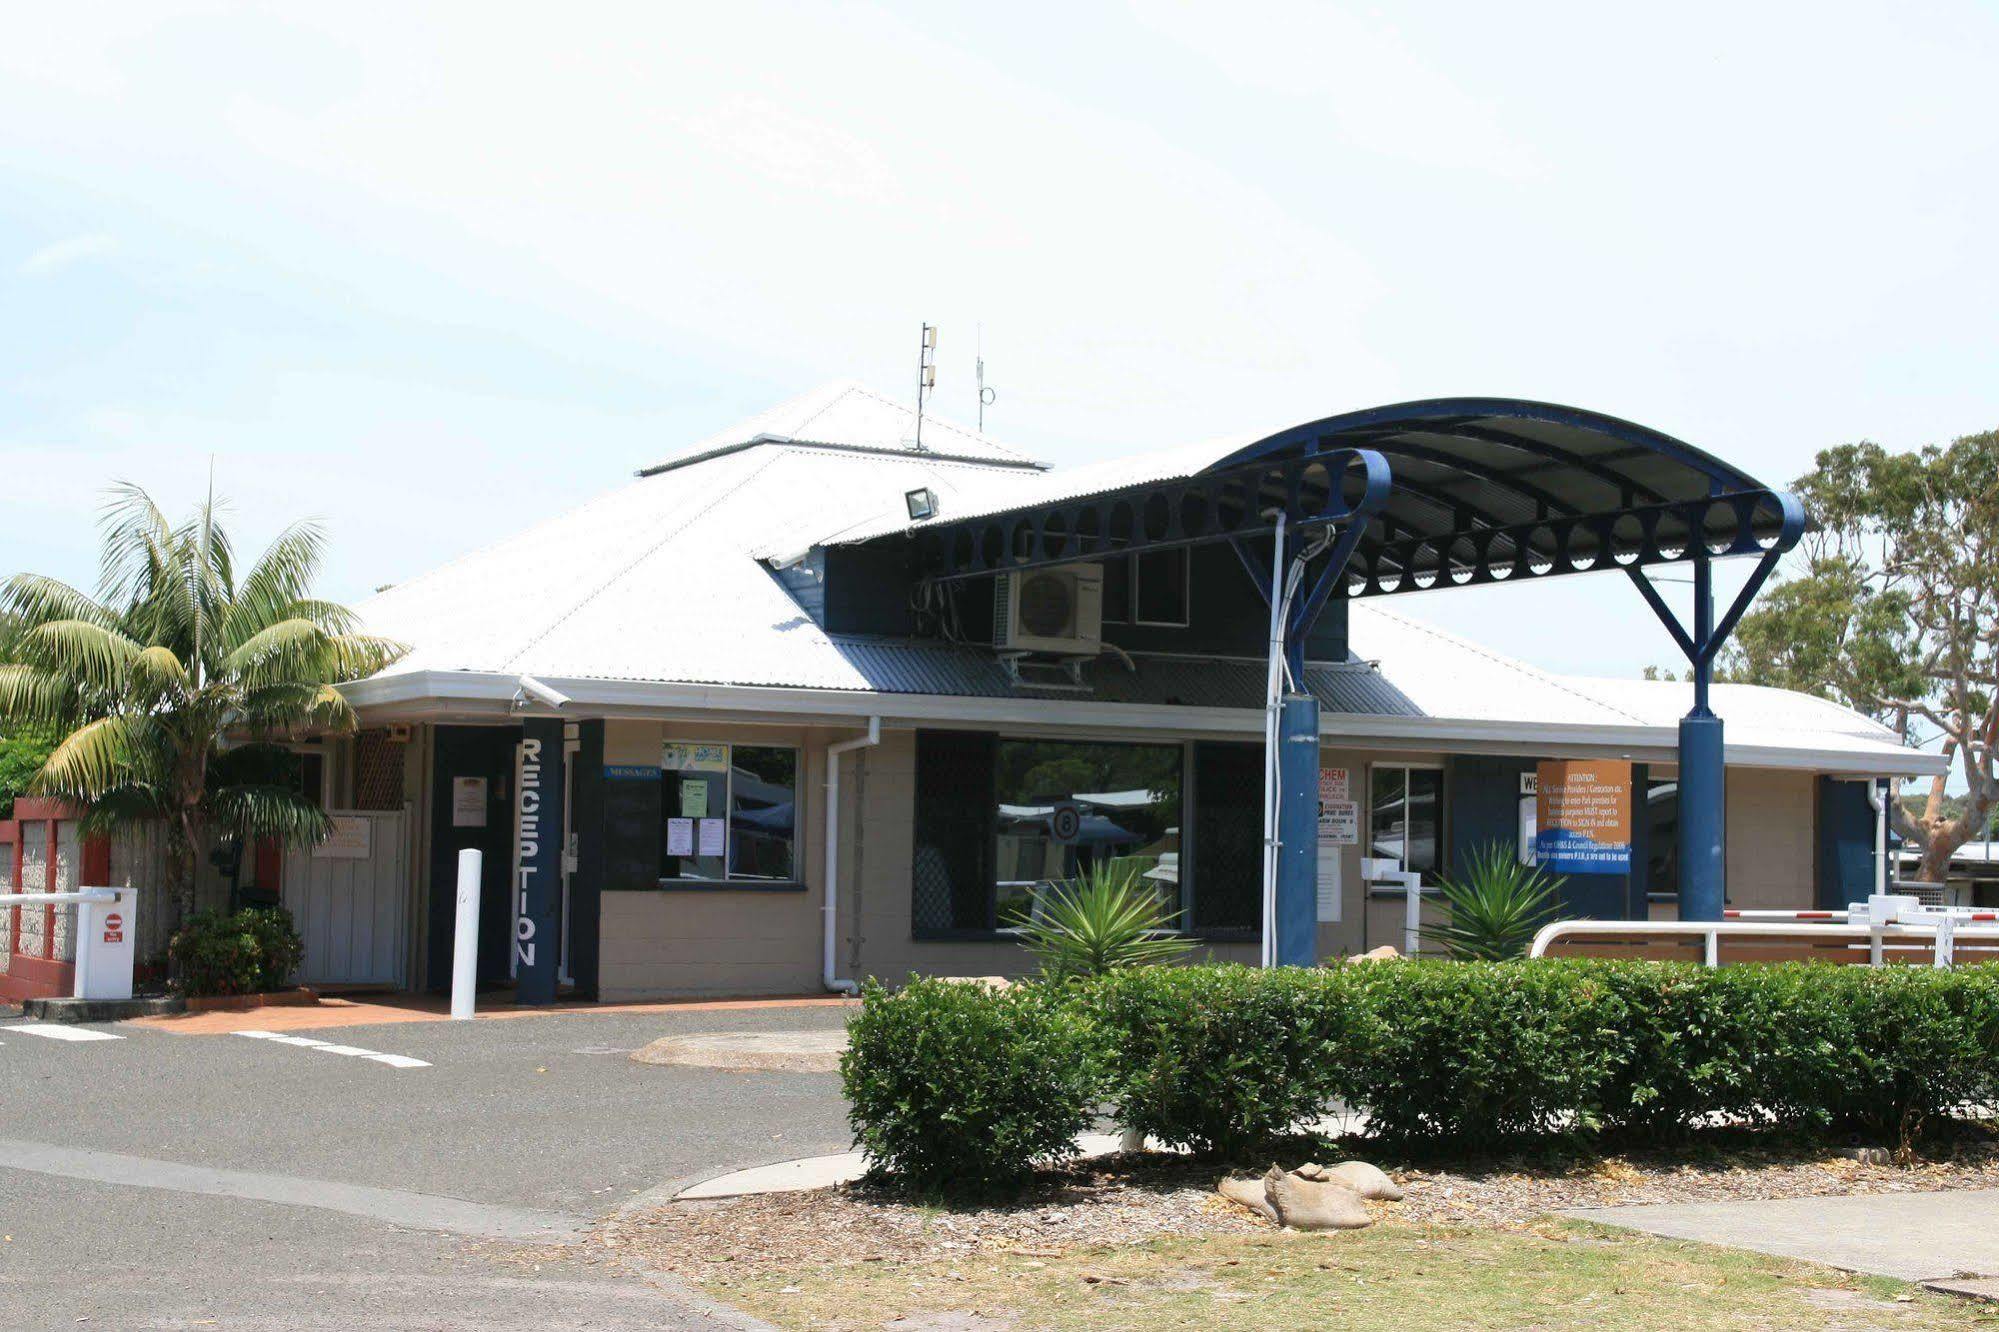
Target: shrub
[
  {"x": 1479, "y": 1053},
  {"x": 1102, "y": 920},
  {"x": 254, "y": 950},
  {"x": 1479, "y": 1056},
  {"x": 957, "y": 1089},
  {"x": 1495, "y": 903},
  {"x": 1882, "y": 1049},
  {"x": 1223, "y": 1059}
]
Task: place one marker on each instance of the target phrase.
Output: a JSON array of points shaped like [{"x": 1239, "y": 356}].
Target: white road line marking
[
  {"x": 57, "y": 1032},
  {"x": 328, "y": 1047}
]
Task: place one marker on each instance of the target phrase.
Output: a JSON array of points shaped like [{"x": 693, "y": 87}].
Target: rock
[
  {"x": 1385, "y": 953},
  {"x": 1365, "y": 1180},
  {"x": 1248, "y": 1193},
  {"x": 1312, "y": 1204}
]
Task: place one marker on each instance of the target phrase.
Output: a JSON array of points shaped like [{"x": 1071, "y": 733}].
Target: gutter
[
  {"x": 829, "y": 946},
  {"x": 473, "y": 695}
]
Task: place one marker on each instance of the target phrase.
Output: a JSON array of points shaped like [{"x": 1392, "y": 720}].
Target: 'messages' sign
[{"x": 1584, "y": 820}]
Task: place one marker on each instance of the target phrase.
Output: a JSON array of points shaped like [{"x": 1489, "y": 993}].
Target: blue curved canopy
[{"x": 1447, "y": 490}]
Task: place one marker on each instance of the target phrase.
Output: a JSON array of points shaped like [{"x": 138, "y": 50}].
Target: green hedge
[
  {"x": 949, "y": 1079},
  {"x": 959, "y": 1089}
]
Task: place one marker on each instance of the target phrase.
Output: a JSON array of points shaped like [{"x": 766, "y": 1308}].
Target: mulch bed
[{"x": 1129, "y": 1200}]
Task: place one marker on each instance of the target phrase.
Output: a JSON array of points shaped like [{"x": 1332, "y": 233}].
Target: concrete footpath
[{"x": 1927, "y": 1237}]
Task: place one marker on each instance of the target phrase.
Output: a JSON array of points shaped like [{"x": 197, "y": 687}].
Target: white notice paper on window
[
  {"x": 711, "y": 836},
  {"x": 468, "y": 802},
  {"x": 1330, "y": 887},
  {"x": 680, "y": 837}
]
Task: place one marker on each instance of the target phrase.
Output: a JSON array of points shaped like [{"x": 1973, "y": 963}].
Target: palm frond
[
  {"x": 87, "y": 765},
  {"x": 279, "y": 586},
  {"x": 267, "y": 654},
  {"x": 37, "y": 599},
  {"x": 96, "y": 658},
  {"x": 156, "y": 672},
  {"x": 125, "y": 805},
  {"x": 33, "y": 696},
  {"x": 295, "y": 705},
  {"x": 140, "y": 546},
  {"x": 268, "y": 811}
]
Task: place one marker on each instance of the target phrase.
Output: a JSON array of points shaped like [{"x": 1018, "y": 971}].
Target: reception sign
[{"x": 1584, "y": 817}]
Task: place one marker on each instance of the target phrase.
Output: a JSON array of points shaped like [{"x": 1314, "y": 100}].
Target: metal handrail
[
  {"x": 1711, "y": 932},
  {"x": 59, "y": 899}
]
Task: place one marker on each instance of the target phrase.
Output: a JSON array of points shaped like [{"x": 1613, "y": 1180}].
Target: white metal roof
[{"x": 662, "y": 590}]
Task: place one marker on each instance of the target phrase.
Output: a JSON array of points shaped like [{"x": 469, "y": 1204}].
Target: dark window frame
[
  {"x": 730, "y": 882},
  {"x": 950, "y": 746}
]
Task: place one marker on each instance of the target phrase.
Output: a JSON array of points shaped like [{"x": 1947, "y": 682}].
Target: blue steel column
[
  {"x": 1702, "y": 781},
  {"x": 538, "y": 825},
  {"x": 1298, "y": 832}
]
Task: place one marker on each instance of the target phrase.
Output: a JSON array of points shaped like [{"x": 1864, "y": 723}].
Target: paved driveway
[
  {"x": 1914, "y": 1236},
  {"x": 156, "y": 1180}
]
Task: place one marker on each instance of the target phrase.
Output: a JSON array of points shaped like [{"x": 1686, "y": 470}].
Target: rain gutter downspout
[
  {"x": 828, "y": 964},
  {"x": 1877, "y": 796}
]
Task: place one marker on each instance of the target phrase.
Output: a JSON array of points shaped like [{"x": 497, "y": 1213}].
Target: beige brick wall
[
  {"x": 720, "y": 941},
  {"x": 745, "y": 942},
  {"x": 1771, "y": 843}
]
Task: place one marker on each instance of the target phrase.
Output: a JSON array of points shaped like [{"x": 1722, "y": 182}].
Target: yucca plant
[
  {"x": 1105, "y": 918},
  {"x": 173, "y": 690},
  {"x": 1496, "y": 904}
]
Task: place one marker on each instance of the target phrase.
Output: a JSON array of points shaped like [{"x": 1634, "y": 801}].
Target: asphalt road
[{"x": 163, "y": 1181}]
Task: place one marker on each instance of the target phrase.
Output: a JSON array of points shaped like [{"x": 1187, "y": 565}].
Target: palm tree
[{"x": 175, "y": 687}]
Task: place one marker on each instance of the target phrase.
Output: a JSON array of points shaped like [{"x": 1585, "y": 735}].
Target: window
[
  {"x": 1149, "y": 588},
  {"x": 729, "y": 813},
  {"x": 1126, "y": 800},
  {"x": 998, "y": 820},
  {"x": 1662, "y": 839},
  {"x": 1405, "y": 816}
]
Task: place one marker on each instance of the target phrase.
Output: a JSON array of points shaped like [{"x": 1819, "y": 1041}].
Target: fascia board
[{"x": 417, "y": 694}]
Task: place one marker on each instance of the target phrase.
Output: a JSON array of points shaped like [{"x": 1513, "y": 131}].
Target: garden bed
[{"x": 1121, "y": 1201}]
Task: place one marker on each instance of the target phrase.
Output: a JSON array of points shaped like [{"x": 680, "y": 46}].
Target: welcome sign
[{"x": 1584, "y": 810}]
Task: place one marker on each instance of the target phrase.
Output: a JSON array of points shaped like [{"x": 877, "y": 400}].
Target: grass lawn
[{"x": 1546, "y": 1276}]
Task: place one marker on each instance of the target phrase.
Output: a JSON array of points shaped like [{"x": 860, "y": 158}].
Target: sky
[{"x": 429, "y": 273}]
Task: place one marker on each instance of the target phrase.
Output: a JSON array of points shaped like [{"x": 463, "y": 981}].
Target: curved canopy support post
[{"x": 1703, "y": 840}]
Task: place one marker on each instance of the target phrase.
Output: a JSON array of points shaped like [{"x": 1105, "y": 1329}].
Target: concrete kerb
[
  {"x": 824, "y": 1172},
  {"x": 101, "y": 1010}
]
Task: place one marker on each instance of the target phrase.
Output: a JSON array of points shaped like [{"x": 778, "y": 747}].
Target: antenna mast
[
  {"x": 986, "y": 395},
  {"x": 926, "y": 377}
]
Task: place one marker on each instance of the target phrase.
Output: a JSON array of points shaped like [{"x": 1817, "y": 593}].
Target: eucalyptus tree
[
  {"x": 1894, "y": 610},
  {"x": 173, "y": 691}
]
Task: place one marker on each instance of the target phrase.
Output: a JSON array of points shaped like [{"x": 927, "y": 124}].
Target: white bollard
[{"x": 465, "y": 947}]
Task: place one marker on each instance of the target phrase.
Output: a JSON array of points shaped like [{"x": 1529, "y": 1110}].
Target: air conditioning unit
[{"x": 1058, "y": 609}]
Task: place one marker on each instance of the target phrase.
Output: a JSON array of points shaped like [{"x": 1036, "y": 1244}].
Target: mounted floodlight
[{"x": 922, "y": 503}]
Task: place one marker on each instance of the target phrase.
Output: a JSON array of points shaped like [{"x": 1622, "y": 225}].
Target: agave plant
[
  {"x": 171, "y": 692},
  {"x": 1496, "y": 904},
  {"x": 1105, "y": 918}
]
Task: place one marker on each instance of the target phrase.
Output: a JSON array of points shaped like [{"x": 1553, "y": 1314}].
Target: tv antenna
[
  {"x": 926, "y": 377},
  {"x": 986, "y": 395}
]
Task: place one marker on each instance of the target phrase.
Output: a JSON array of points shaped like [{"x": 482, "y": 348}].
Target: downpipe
[{"x": 829, "y": 946}]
